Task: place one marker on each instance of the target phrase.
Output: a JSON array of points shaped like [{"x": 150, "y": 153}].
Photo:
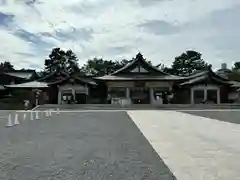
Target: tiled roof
[
  {"x": 23, "y": 75},
  {"x": 139, "y": 59},
  {"x": 235, "y": 84},
  {"x": 86, "y": 80},
  {"x": 32, "y": 84},
  {"x": 140, "y": 77},
  {"x": 194, "y": 80},
  {"x": 200, "y": 76}
]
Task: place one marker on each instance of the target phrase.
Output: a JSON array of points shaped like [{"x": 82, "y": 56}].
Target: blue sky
[{"x": 117, "y": 29}]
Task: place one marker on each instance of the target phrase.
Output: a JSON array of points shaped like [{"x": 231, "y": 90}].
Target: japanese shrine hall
[
  {"x": 140, "y": 82},
  {"x": 137, "y": 82}
]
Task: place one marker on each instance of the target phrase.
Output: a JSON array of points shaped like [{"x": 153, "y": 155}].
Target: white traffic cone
[
  {"x": 9, "y": 124},
  {"x": 37, "y": 115},
  {"x": 58, "y": 111},
  {"x": 31, "y": 116},
  {"x": 16, "y": 122}
]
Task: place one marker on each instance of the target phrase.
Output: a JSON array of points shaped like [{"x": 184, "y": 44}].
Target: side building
[{"x": 58, "y": 88}]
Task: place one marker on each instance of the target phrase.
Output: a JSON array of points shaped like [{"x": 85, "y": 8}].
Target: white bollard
[
  {"x": 37, "y": 116},
  {"x": 31, "y": 118},
  {"x": 9, "y": 124},
  {"x": 50, "y": 112},
  {"x": 24, "y": 116},
  {"x": 46, "y": 113},
  {"x": 16, "y": 122},
  {"x": 58, "y": 111}
]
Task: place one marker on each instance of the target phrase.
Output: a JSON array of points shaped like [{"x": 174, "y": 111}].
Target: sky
[{"x": 119, "y": 29}]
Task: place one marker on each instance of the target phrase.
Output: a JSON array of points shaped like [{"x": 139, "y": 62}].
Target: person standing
[{"x": 26, "y": 104}]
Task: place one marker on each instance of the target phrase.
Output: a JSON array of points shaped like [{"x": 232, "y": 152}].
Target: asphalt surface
[
  {"x": 78, "y": 146},
  {"x": 230, "y": 116}
]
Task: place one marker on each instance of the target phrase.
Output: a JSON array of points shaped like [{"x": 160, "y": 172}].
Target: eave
[
  {"x": 136, "y": 78},
  {"x": 31, "y": 85}
]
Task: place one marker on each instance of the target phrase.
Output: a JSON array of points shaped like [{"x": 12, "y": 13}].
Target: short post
[
  {"x": 16, "y": 122},
  {"x": 9, "y": 123},
  {"x": 31, "y": 114},
  {"x": 46, "y": 113},
  {"x": 58, "y": 111},
  {"x": 37, "y": 115}
]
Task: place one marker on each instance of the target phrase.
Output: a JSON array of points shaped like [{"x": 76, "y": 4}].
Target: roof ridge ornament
[{"x": 139, "y": 56}]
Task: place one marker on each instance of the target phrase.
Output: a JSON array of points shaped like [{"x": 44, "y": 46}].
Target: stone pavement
[
  {"x": 231, "y": 116},
  {"x": 193, "y": 147},
  {"x": 78, "y": 146}
]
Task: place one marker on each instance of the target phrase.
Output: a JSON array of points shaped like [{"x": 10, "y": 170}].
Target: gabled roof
[
  {"x": 32, "y": 84},
  {"x": 61, "y": 77},
  {"x": 204, "y": 75},
  {"x": 139, "y": 61},
  {"x": 139, "y": 69},
  {"x": 223, "y": 73},
  {"x": 22, "y": 74},
  {"x": 235, "y": 84},
  {"x": 78, "y": 79},
  {"x": 140, "y": 77},
  {"x": 54, "y": 77}
]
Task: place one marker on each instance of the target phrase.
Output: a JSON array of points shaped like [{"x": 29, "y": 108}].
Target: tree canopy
[
  {"x": 184, "y": 65},
  {"x": 6, "y": 66},
  {"x": 236, "y": 66},
  {"x": 100, "y": 67},
  {"x": 187, "y": 63},
  {"x": 61, "y": 60}
]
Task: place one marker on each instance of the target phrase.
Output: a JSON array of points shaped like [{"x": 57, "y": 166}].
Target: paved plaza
[
  {"x": 121, "y": 145},
  {"x": 78, "y": 146}
]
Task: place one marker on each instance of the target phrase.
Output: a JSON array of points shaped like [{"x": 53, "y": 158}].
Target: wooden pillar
[
  {"x": 151, "y": 94},
  {"x": 127, "y": 93},
  {"x": 59, "y": 96},
  {"x": 74, "y": 95},
  {"x": 192, "y": 95},
  {"x": 205, "y": 94},
  {"x": 129, "y": 101},
  {"x": 218, "y": 96}
]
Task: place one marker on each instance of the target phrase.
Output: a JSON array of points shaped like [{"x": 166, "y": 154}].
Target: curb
[{"x": 35, "y": 108}]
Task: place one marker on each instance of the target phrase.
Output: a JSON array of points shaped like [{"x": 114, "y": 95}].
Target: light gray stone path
[
  {"x": 231, "y": 116},
  {"x": 193, "y": 147}
]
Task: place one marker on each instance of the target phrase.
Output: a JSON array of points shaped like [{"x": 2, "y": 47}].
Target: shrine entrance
[{"x": 140, "y": 95}]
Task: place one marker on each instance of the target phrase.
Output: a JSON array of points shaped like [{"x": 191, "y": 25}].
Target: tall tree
[
  {"x": 236, "y": 66},
  {"x": 61, "y": 60},
  {"x": 72, "y": 61},
  {"x": 100, "y": 67},
  {"x": 6, "y": 66},
  {"x": 188, "y": 62}
]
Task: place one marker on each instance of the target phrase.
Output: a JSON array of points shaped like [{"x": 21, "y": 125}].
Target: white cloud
[{"x": 113, "y": 31}]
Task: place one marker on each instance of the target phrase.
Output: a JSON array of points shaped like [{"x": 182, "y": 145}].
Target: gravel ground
[
  {"x": 78, "y": 146},
  {"x": 227, "y": 116}
]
